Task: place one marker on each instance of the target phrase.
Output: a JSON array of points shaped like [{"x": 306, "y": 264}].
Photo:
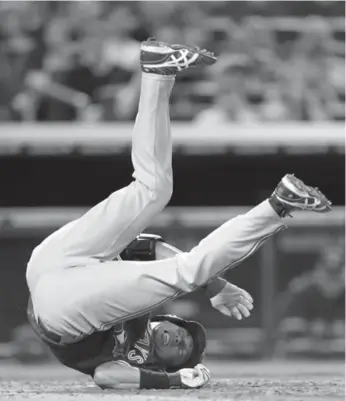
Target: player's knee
[
  {"x": 156, "y": 196},
  {"x": 162, "y": 192}
]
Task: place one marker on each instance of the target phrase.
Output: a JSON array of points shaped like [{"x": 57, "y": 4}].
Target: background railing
[{"x": 99, "y": 138}]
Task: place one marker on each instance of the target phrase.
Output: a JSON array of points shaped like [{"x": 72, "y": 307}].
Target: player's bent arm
[
  {"x": 115, "y": 375},
  {"x": 121, "y": 375}
]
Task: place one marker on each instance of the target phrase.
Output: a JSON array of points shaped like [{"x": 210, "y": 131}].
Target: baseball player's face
[{"x": 173, "y": 344}]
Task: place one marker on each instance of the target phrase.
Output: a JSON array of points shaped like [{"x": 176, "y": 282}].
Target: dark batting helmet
[{"x": 197, "y": 333}]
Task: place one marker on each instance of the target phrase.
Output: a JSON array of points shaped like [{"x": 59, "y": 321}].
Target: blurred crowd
[
  {"x": 311, "y": 311},
  {"x": 279, "y": 60}
]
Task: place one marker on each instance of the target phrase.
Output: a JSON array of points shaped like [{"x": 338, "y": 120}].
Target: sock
[{"x": 281, "y": 209}]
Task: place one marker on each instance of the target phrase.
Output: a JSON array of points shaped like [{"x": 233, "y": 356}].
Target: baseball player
[{"x": 94, "y": 282}]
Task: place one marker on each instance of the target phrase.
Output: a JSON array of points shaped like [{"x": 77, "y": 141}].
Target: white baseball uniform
[{"x": 75, "y": 285}]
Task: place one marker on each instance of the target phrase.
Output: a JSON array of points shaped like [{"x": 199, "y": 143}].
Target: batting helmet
[{"x": 197, "y": 333}]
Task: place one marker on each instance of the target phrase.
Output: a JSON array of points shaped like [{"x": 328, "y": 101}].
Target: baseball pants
[{"x": 77, "y": 288}]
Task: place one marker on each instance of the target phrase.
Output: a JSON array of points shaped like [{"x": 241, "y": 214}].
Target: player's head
[
  {"x": 332, "y": 258},
  {"x": 178, "y": 343}
]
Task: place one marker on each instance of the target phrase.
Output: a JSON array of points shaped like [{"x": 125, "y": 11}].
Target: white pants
[{"x": 75, "y": 286}]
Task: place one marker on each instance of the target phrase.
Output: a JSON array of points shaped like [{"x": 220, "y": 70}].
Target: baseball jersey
[{"x": 129, "y": 342}]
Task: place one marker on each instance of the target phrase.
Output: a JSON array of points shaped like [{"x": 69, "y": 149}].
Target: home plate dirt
[{"x": 249, "y": 381}]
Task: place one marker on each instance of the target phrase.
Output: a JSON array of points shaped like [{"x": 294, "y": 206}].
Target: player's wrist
[
  {"x": 153, "y": 380},
  {"x": 174, "y": 380},
  {"x": 215, "y": 287}
]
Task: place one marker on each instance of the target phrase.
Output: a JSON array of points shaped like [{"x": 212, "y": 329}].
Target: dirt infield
[{"x": 250, "y": 381}]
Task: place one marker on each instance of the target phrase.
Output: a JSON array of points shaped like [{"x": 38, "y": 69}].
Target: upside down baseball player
[{"x": 94, "y": 282}]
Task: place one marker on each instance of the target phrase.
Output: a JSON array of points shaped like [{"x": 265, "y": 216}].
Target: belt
[
  {"x": 42, "y": 331},
  {"x": 56, "y": 338}
]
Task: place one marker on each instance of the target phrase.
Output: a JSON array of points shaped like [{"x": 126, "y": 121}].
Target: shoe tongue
[{"x": 157, "y": 42}]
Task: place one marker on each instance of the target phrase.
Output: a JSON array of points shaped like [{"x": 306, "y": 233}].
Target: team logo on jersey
[{"x": 120, "y": 338}]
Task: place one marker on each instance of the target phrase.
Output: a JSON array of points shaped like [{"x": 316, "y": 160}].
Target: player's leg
[
  {"x": 106, "y": 229},
  {"x": 109, "y": 226},
  {"x": 125, "y": 289},
  {"x": 138, "y": 287}
]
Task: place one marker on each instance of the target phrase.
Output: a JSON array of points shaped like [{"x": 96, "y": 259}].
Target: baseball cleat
[
  {"x": 165, "y": 59},
  {"x": 294, "y": 194}
]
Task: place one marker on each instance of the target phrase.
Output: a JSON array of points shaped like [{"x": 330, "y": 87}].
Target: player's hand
[
  {"x": 233, "y": 301},
  {"x": 196, "y": 377}
]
